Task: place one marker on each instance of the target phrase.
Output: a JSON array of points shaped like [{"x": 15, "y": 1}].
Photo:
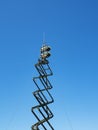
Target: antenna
[{"x": 44, "y": 41}]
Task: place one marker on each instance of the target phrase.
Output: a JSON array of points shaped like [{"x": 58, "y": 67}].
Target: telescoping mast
[{"x": 41, "y": 111}]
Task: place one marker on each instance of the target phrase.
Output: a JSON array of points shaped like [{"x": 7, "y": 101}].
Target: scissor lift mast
[{"x": 43, "y": 96}]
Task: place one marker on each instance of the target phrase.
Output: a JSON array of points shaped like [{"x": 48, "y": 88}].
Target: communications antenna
[{"x": 42, "y": 112}]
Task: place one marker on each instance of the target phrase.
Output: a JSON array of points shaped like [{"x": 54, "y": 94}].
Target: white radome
[{"x": 45, "y": 48}]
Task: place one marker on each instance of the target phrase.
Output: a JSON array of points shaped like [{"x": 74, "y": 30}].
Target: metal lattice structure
[{"x": 42, "y": 111}]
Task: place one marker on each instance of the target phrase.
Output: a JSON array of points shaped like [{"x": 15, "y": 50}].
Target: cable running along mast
[{"x": 42, "y": 111}]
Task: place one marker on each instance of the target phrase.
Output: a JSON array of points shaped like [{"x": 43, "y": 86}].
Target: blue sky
[{"x": 71, "y": 29}]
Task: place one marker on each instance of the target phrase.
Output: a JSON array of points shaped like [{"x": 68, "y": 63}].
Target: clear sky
[{"x": 71, "y": 28}]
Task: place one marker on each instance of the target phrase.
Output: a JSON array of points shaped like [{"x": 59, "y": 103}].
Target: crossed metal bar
[{"x": 43, "y": 97}]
